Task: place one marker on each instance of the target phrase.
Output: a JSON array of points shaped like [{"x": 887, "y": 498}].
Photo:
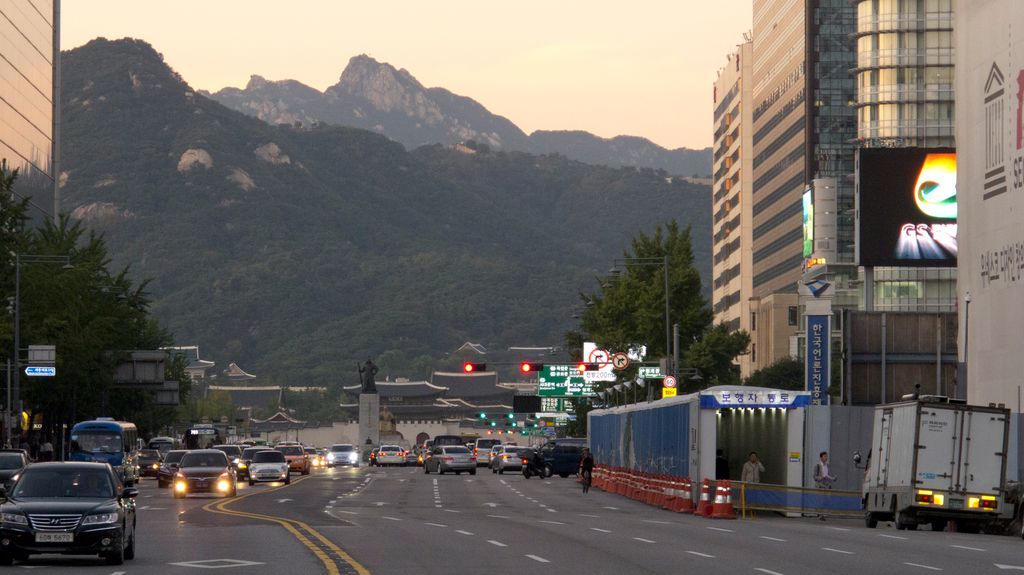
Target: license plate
[
  {"x": 956, "y": 503},
  {"x": 55, "y": 537}
]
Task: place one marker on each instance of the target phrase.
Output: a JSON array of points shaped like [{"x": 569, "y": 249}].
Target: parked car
[
  {"x": 168, "y": 467},
  {"x": 269, "y": 465},
  {"x": 482, "y": 450},
  {"x": 562, "y": 456},
  {"x": 296, "y": 457},
  {"x": 457, "y": 458},
  {"x": 509, "y": 458},
  {"x": 205, "y": 471},
  {"x": 69, "y": 508},
  {"x": 390, "y": 455},
  {"x": 149, "y": 462},
  {"x": 343, "y": 454}
]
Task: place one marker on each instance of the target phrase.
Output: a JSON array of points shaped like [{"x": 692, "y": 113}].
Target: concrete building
[
  {"x": 30, "y": 107},
  {"x": 731, "y": 190},
  {"x": 990, "y": 158},
  {"x": 905, "y": 99}
]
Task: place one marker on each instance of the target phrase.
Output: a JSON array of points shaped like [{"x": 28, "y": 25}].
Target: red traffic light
[
  {"x": 473, "y": 367},
  {"x": 529, "y": 367},
  {"x": 586, "y": 367}
]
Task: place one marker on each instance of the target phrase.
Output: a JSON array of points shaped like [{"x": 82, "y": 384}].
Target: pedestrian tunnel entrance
[{"x": 740, "y": 430}]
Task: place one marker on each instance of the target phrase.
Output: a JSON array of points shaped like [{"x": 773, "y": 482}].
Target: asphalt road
[{"x": 399, "y": 520}]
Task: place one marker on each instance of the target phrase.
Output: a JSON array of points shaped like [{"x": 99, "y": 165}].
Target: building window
[
  {"x": 792, "y": 315},
  {"x": 753, "y": 353},
  {"x": 753, "y": 321}
]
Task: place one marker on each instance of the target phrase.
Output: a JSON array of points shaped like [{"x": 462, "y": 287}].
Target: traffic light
[
  {"x": 511, "y": 416},
  {"x": 530, "y": 367},
  {"x": 473, "y": 367},
  {"x": 586, "y": 367},
  {"x": 494, "y": 424},
  {"x": 483, "y": 415}
]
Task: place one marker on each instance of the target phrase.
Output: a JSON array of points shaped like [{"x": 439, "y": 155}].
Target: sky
[{"x": 641, "y": 68}]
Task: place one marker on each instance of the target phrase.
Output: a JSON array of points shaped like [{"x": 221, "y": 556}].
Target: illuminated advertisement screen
[
  {"x": 907, "y": 207},
  {"x": 808, "y": 224}
]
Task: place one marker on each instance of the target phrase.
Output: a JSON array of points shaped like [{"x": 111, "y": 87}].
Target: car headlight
[
  {"x": 330, "y": 456},
  {"x": 15, "y": 518},
  {"x": 235, "y": 461},
  {"x": 242, "y": 465},
  {"x": 100, "y": 519}
]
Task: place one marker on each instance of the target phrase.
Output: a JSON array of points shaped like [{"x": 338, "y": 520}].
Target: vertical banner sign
[{"x": 819, "y": 347}]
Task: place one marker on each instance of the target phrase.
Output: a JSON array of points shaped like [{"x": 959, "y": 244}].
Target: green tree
[
  {"x": 714, "y": 354},
  {"x": 785, "y": 373}
]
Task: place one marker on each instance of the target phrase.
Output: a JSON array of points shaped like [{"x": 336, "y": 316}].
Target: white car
[
  {"x": 343, "y": 454},
  {"x": 268, "y": 465},
  {"x": 390, "y": 455}
]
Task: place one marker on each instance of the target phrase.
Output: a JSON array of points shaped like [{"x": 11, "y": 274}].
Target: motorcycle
[{"x": 533, "y": 466}]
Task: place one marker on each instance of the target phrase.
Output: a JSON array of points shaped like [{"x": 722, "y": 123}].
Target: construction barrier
[
  {"x": 704, "y": 505},
  {"x": 722, "y": 509},
  {"x": 798, "y": 500}
]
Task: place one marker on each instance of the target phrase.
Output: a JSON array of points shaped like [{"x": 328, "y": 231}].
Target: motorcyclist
[{"x": 537, "y": 464}]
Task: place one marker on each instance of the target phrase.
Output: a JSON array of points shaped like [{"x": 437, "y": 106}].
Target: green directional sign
[
  {"x": 649, "y": 372},
  {"x": 563, "y": 380}
]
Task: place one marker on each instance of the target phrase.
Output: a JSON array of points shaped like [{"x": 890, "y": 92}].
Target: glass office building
[{"x": 28, "y": 45}]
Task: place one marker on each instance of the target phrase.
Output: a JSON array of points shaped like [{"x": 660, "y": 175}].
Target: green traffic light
[
  {"x": 511, "y": 416},
  {"x": 483, "y": 415},
  {"x": 494, "y": 424}
]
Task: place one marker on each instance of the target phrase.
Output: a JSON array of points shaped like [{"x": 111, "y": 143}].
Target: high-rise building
[
  {"x": 905, "y": 99},
  {"x": 731, "y": 189},
  {"x": 29, "y": 76}
]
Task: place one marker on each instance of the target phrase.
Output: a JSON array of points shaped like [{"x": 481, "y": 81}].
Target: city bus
[
  {"x": 108, "y": 441},
  {"x": 201, "y": 436},
  {"x": 163, "y": 444}
]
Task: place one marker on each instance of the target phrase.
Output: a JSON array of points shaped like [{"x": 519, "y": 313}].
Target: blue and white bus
[{"x": 108, "y": 441}]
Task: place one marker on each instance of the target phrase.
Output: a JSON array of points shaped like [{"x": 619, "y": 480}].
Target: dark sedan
[
  {"x": 205, "y": 471},
  {"x": 11, "y": 465},
  {"x": 245, "y": 461},
  {"x": 68, "y": 508},
  {"x": 149, "y": 462},
  {"x": 168, "y": 467}
]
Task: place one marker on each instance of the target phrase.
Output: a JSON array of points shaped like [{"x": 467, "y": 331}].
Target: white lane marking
[
  {"x": 839, "y": 528},
  {"x": 923, "y": 566},
  {"x": 699, "y": 554},
  {"x": 837, "y": 550},
  {"x": 435, "y": 481},
  {"x": 967, "y": 548},
  {"x": 348, "y": 512},
  {"x": 117, "y": 573},
  {"x": 452, "y": 511},
  {"x": 491, "y": 505},
  {"x": 502, "y": 482},
  {"x": 540, "y": 559},
  {"x": 463, "y": 532},
  {"x": 612, "y": 508},
  {"x": 435, "y": 525},
  {"x": 773, "y": 539},
  {"x": 542, "y": 505},
  {"x": 498, "y": 543},
  {"x": 655, "y": 521},
  {"x": 1011, "y": 567},
  {"x": 594, "y": 516},
  {"x": 892, "y": 536},
  {"x": 552, "y": 510},
  {"x": 552, "y": 522},
  {"x": 767, "y": 571},
  {"x": 391, "y": 518},
  {"x": 500, "y": 516},
  {"x": 644, "y": 540},
  {"x": 601, "y": 530},
  {"x": 722, "y": 529},
  {"x": 437, "y": 506}
]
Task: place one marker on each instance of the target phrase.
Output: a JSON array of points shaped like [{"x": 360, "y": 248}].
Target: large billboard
[{"x": 907, "y": 207}]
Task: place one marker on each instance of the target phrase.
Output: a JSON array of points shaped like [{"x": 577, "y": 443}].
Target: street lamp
[
  {"x": 662, "y": 262},
  {"x": 13, "y": 396}
]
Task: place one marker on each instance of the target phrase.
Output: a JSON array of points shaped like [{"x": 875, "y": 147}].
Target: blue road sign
[{"x": 40, "y": 371}]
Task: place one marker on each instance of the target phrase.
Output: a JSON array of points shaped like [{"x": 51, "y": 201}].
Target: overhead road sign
[
  {"x": 649, "y": 372},
  {"x": 41, "y": 371}
]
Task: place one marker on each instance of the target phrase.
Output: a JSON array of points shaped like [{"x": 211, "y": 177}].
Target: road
[{"x": 399, "y": 520}]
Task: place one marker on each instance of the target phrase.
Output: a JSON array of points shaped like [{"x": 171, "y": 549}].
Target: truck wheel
[
  {"x": 870, "y": 520},
  {"x": 901, "y": 521},
  {"x": 939, "y": 525}
]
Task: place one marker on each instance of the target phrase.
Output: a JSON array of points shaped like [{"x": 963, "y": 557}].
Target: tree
[
  {"x": 714, "y": 353},
  {"x": 786, "y": 373}
]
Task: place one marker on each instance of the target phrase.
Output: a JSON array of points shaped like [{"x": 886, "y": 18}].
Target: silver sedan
[{"x": 451, "y": 458}]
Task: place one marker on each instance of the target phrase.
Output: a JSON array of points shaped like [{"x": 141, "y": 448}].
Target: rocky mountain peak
[
  {"x": 256, "y": 82},
  {"x": 384, "y": 86}
]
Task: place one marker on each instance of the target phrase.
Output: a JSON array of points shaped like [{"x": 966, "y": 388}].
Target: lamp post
[
  {"x": 967, "y": 341},
  {"x": 662, "y": 262},
  {"x": 14, "y": 395}
]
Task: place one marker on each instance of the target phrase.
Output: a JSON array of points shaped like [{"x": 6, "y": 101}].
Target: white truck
[{"x": 933, "y": 460}]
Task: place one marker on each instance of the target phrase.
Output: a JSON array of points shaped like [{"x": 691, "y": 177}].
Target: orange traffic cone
[
  {"x": 722, "y": 509},
  {"x": 704, "y": 506},
  {"x": 685, "y": 504}
]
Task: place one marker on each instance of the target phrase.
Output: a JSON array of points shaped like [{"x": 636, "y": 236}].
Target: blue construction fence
[
  {"x": 651, "y": 440},
  {"x": 765, "y": 497}
]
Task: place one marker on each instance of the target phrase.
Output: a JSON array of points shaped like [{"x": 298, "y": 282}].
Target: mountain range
[
  {"x": 377, "y": 96},
  {"x": 295, "y": 252}
]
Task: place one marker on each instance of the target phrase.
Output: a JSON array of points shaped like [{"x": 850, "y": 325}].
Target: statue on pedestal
[{"x": 366, "y": 375}]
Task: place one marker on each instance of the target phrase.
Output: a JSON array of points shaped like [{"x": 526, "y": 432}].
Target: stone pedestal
[{"x": 369, "y": 419}]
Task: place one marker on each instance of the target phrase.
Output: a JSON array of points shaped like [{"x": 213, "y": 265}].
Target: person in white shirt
[
  {"x": 822, "y": 478},
  {"x": 752, "y": 469}
]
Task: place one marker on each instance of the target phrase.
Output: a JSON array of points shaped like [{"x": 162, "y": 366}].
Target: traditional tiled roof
[
  {"x": 473, "y": 347},
  {"x": 279, "y": 417},
  {"x": 405, "y": 389},
  {"x": 235, "y": 373},
  {"x": 191, "y": 355}
]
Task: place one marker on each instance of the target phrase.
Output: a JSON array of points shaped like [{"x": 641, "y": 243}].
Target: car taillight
[
  {"x": 475, "y": 451},
  {"x": 504, "y": 457},
  {"x": 525, "y": 462},
  {"x": 472, "y": 458}
]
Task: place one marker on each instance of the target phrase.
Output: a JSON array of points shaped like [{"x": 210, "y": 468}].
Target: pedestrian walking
[
  {"x": 822, "y": 478},
  {"x": 586, "y": 472},
  {"x": 46, "y": 451},
  {"x": 752, "y": 469}
]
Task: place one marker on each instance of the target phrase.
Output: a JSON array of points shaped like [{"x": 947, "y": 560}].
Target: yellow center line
[{"x": 290, "y": 525}]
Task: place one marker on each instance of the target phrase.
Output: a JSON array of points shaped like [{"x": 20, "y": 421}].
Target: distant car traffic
[
  {"x": 168, "y": 467},
  {"x": 268, "y": 465},
  {"x": 390, "y": 455},
  {"x": 343, "y": 454},
  {"x": 296, "y": 457},
  {"x": 234, "y": 453},
  {"x": 245, "y": 460},
  {"x": 68, "y": 508},
  {"x": 562, "y": 456},
  {"x": 457, "y": 458},
  {"x": 149, "y": 462},
  {"x": 482, "y": 450},
  {"x": 509, "y": 458},
  {"x": 411, "y": 457},
  {"x": 205, "y": 471}
]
